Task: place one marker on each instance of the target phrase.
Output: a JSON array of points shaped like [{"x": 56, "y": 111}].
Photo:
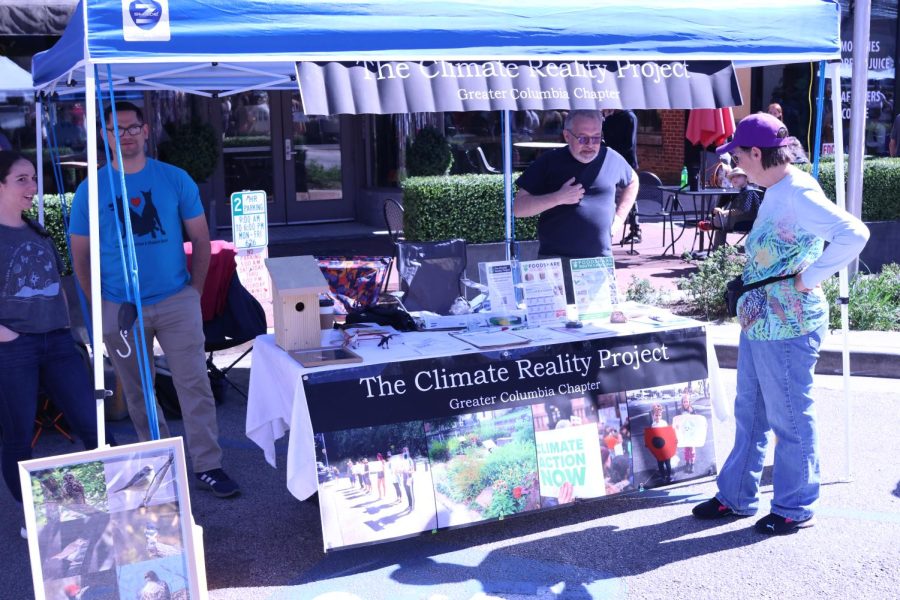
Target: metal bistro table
[
  {"x": 693, "y": 206},
  {"x": 534, "y": 149}
]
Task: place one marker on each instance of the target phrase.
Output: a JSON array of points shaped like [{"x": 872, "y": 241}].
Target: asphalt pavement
[{"x": 265, "y": 544}]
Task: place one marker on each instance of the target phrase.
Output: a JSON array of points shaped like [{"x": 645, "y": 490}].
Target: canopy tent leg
[
  {"x": 844, "y": 286},
  {"x": 90, "y": 116},
  {"x": 505, "y": 118},
  {"x": 39, "y": 155}
]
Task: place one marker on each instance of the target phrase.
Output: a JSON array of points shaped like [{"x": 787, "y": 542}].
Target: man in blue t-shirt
[
  {"x": 161, "y": 200},
  {"x": 583, "y": 193}
]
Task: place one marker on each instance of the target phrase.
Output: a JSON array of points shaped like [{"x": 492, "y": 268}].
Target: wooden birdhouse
[{"x": 296, "y": 285}]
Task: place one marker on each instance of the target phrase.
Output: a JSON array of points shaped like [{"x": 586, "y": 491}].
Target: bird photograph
[
  {"x": 154, "y": 588},
  {"x": 73, "y": 490},
  {"x": 157, "y": 548},
  {"x": 139, "y": 480},
  {"x": 68, "y": 492},
  {"x": 146, "y": 533},
  {"x": 158, "y": 579}
]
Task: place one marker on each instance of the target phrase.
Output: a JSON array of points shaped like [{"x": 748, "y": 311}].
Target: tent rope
[
  {"x": 132, "y": 281},
  {"x": 55, "y": 161}
]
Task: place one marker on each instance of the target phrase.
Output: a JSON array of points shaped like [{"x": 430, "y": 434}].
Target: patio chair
[
  {"x": 479, "y": 161},
  {"x": 231, "y": 315},
  {"x": 650, "y": 208},
  {"x": 393, "y": 218},
  {"x": 431, "y": 274}
]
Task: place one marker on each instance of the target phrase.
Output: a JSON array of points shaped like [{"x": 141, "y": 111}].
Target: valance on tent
[{"x": 376, "y": 87}]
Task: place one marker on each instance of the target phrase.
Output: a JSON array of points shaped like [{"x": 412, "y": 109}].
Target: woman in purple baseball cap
[{"x": 782, "y": 327}]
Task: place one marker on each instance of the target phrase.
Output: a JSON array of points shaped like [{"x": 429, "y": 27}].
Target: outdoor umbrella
[{"x": 710, "y": 126}]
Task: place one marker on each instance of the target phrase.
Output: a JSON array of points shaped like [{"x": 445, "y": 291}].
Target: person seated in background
[
  {"x": 718, "y": 173},
  {"x": 740, "y": 210}
]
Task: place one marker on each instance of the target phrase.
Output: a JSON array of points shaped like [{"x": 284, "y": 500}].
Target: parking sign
[{"x": 249, "y": 220}]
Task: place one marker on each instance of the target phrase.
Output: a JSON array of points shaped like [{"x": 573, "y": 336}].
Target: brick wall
[{"x": 664, "y": 154}]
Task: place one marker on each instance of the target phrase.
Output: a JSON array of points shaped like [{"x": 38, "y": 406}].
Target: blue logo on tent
[{"x": 145, "y": 13}]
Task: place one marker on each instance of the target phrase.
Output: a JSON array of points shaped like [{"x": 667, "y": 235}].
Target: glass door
[
  {"x": 247, "y": 149},
  {"x": 270, "y": 145},
  {"x": 316, "y": 183}
]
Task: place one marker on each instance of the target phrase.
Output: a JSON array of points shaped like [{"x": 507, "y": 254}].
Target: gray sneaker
[{"x": 219, "y": 482}]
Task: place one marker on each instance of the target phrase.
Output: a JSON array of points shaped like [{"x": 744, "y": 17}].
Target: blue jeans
[
  {"x": 51, "y": 361},
  {"x": 774, "y": 386}
]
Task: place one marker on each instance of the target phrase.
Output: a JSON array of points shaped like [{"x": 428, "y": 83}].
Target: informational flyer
[
  {"x": 251, "y": 270},
  {"x": 545, "y": 291},
  {"x": 498, "y": 277},
  {"x": 594, "y": 283}
]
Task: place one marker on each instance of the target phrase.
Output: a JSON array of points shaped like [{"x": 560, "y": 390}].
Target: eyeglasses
[
  {"x": 587, "y": 139},
  {"x": 131, "y": 130}
]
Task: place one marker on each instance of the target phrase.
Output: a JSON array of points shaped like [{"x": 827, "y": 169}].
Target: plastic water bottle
[{"x": 684, "y": 177}]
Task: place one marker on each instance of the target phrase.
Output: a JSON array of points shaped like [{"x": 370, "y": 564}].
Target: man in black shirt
[{"x": 583, "y": 193}]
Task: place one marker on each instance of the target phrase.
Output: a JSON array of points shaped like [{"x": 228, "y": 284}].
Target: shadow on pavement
[{"x": 631, "y": 552}]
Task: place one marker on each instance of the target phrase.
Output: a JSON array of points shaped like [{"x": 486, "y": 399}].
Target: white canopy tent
[{"x": 212, "y": 48}]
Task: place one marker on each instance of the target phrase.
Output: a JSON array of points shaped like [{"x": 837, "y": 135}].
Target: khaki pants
[{"x": 177, "y": 324}]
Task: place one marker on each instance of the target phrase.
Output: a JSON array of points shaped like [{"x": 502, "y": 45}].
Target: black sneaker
[
  {"x": 773, "y": 524},
  {"x": 713, "y": 509},
  {"x": 219, "y": 482}
]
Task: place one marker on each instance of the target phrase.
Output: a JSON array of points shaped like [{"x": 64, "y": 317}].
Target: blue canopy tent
[{"x": 217, "y": 48}]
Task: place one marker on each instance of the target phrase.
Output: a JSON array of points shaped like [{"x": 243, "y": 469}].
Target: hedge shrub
[
  {"x": 54, "y": 224},
  {"x": 459, "y": 206},
  {"x": 192, "y": 146},
  {"x": 881, "y": 182},
  {"x": 428, "y": 154}
]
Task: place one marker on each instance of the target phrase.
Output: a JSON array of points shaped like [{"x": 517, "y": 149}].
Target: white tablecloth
[{"x": 277, "y": 401}]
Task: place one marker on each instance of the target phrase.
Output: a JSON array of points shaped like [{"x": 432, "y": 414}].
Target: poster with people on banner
[{"x": 426, "y": 444}]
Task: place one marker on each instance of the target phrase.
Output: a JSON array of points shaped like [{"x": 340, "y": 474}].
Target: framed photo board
[{"x": 114, "y": 521}]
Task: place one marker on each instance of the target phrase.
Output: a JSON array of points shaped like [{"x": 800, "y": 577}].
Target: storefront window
[
  {"x": 317, "y": 154},
  {"x": 880, "y": 88},
  {"x": 65, "y": 125},
  {"x": 247, "y": 143},
  {"x": 533, "y": 132},
  {"x": 387, "y": 135}
]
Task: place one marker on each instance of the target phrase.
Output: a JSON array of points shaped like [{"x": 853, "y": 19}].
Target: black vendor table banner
[{"x": 413, "y": 446}]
